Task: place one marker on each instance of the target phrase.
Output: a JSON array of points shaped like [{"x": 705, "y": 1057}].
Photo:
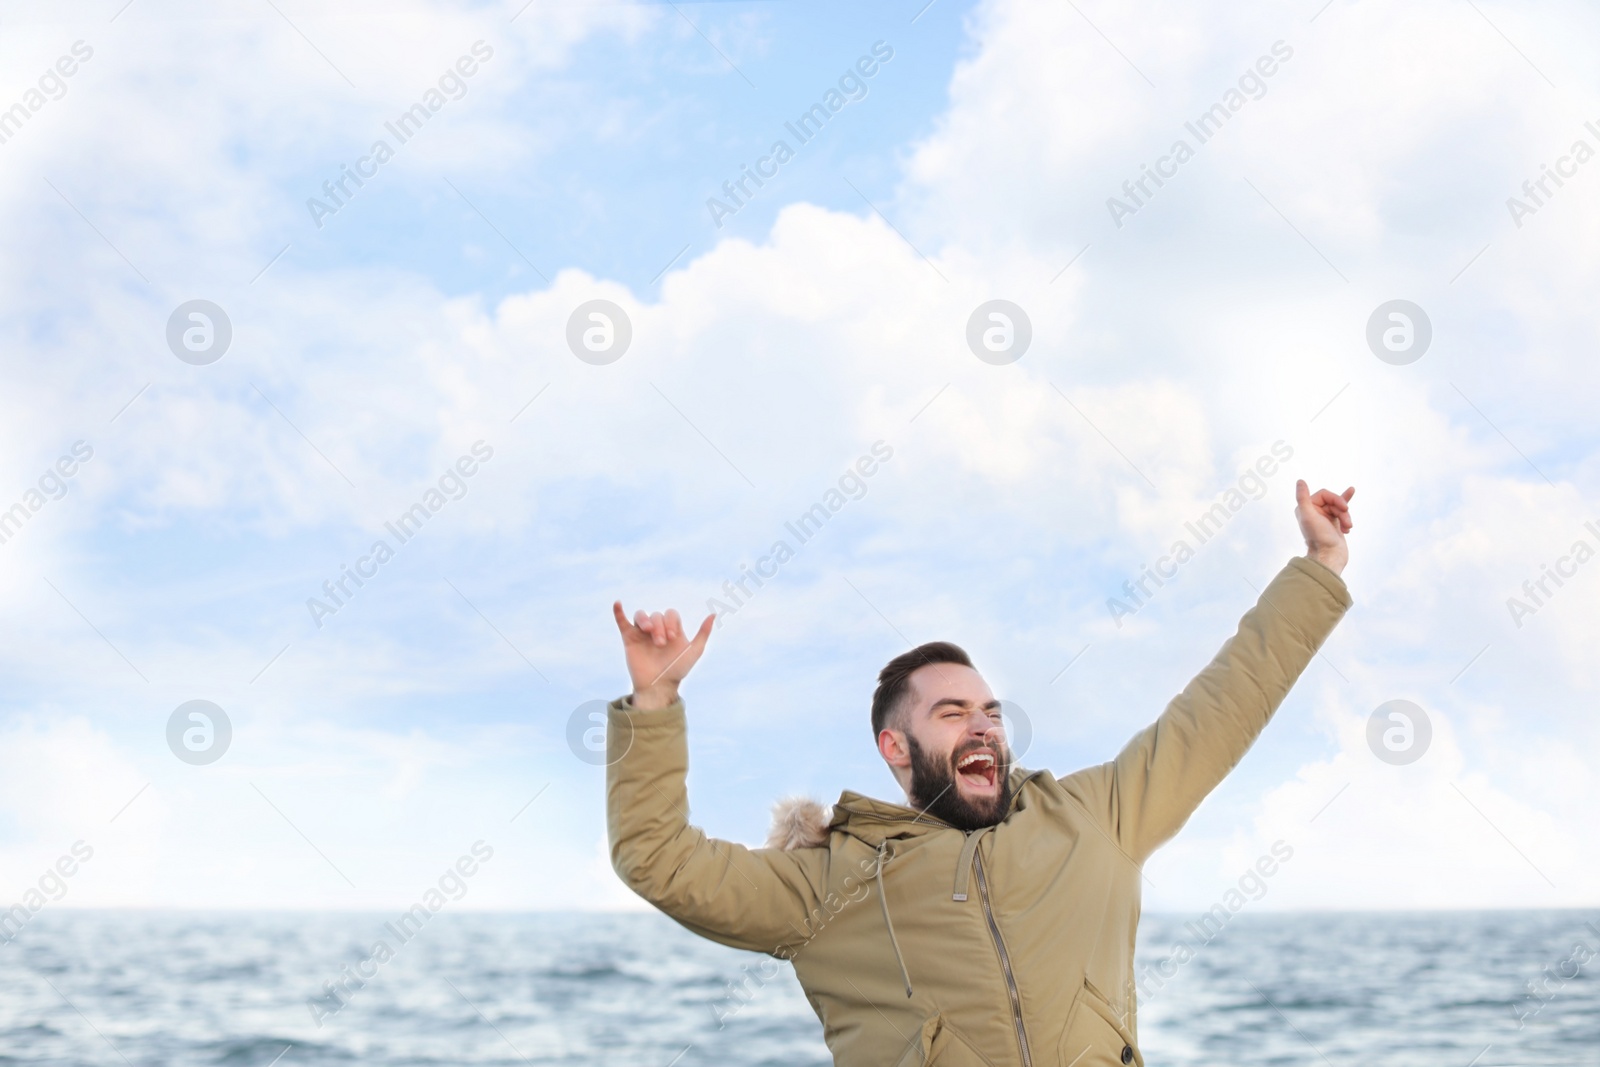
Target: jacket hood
[{"x": 798, "y": 822}]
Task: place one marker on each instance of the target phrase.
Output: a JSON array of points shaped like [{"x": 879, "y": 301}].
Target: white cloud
[{"x": 1185, "y": 344}]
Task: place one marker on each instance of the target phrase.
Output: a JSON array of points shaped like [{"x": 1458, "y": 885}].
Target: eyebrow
[{"x": 937, "y": 704}]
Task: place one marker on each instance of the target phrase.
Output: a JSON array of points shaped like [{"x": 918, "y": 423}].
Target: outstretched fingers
[
  {"x": 644, "y": 627},
  {"x": 1337, "y": 506},
  {"x": 699, "y": 640},
  {"x": 1334, "y": 506},
  {"x": 658, "y": 628},
  {"x": 624, "y": 627},
  {"x": 649, "y": 625}
]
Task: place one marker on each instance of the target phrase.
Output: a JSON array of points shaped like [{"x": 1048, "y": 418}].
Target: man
[{"x": 990, "y": 919}]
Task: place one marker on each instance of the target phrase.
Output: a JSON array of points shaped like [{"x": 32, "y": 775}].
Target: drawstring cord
[
  {"x": 884, "y": 901},
  {"x": 963, "y": 869}
]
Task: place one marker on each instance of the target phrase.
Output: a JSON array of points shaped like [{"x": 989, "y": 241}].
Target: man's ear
[{"x": 892, "y": 746}]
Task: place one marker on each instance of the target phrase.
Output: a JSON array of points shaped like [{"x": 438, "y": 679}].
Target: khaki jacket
[{"x": 917, "y": 943}]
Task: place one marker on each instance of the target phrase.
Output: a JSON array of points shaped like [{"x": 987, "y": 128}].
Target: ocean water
[{"x": 175, "y": 989}]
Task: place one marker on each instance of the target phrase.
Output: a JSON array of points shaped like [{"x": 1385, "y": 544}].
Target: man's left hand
[{"x": 1324, "y": 518}]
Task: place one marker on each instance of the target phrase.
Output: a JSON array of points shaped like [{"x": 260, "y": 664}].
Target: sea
[{"x": 172, "y": 989}]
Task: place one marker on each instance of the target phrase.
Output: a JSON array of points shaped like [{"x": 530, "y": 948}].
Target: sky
[{"x": 1358, "y": 262}]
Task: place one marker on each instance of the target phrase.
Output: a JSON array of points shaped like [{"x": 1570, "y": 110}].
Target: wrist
[
  {"x": 654, "y": 697},
  {"x": 1330, "y": 558}
]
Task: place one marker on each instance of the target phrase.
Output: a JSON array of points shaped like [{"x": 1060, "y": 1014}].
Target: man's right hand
[{"x": 658, "y": 653}]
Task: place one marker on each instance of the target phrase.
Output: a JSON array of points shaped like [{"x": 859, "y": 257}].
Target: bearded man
[{"x": 1006, "y": 900}]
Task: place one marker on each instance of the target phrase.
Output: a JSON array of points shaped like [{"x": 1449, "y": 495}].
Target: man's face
[{"x": 960, "y": 763}]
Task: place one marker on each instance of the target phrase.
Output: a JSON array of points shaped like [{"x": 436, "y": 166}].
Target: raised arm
[
  {"x": 1146, "y": 794},
  {"x": 756, "y": 899}
]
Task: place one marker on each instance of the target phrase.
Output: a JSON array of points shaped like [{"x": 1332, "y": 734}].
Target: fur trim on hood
[{"x": 798, "y": 822}]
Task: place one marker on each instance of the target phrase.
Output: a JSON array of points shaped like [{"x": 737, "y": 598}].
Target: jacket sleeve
[
  {"x": 1145, "y": 795},
  {"x": 754, "y": 899}
]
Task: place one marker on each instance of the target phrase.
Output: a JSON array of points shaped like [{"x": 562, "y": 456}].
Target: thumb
[{"x": 1302, "y": 492}]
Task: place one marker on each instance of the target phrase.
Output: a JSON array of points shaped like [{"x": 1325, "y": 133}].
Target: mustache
[{"x": 934, "y": 789}]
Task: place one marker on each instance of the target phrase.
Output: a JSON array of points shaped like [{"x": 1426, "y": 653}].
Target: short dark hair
[{"x": 895, "y": 678}]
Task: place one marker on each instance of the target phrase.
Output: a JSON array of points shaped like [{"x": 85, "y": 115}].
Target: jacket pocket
[
  {"x": 940, "y": 1046},
  {"x": 1094, "y": 1036}
]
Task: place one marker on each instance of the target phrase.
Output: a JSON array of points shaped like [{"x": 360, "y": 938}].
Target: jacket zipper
[{"x": 1005, "y": 963}]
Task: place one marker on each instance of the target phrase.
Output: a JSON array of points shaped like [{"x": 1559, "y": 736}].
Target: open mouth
[{"x": 977, "y": 770}]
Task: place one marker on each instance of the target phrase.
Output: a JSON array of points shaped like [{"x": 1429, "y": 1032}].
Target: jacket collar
[
  {"x": 877, "y": 822},
  {"x": 874, "y": 821}
]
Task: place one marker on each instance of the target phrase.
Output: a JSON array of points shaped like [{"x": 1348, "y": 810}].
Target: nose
[{"x": 988, "y": 729}]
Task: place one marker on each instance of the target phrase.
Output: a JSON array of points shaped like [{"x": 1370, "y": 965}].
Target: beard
[{"x": 935, "y": 790}]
